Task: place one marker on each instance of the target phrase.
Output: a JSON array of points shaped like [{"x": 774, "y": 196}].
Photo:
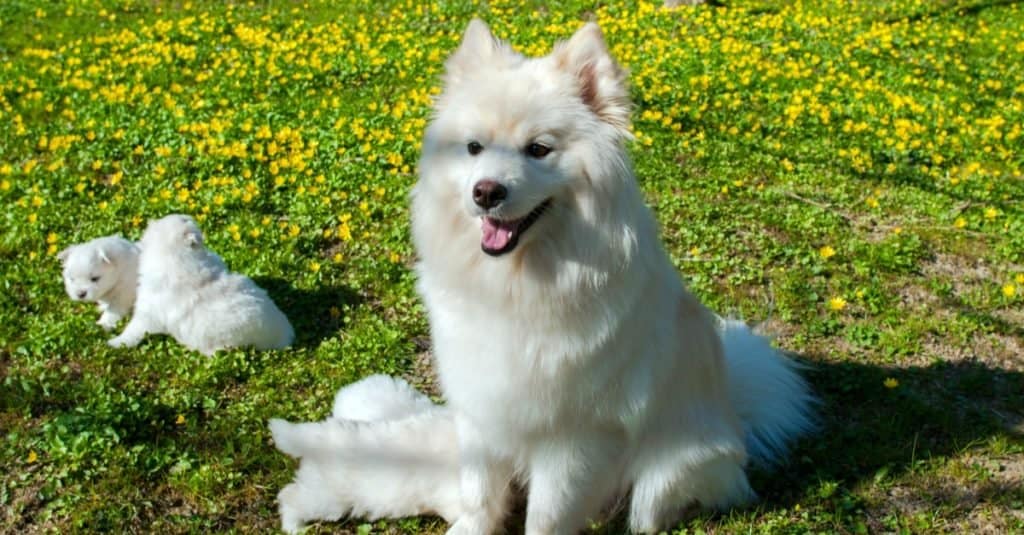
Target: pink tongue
[{"x": 497, "y": 234}]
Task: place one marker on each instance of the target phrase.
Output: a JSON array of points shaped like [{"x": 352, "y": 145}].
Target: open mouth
[{"x": 501, "y": 236}]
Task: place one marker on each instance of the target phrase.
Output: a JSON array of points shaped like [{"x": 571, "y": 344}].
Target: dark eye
[
  {"x": 474, "y": 148},
  {"x": 95, "y": 279},
  {"x": 536, "y": 150}
]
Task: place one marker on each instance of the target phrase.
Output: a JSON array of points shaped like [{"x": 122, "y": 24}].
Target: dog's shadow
[
  {"x": 877, "y": 422},
  {"x": 315, "y": 313}
]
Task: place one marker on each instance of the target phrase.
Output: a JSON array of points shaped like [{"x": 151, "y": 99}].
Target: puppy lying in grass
[
  {"x": 103, "y": 271},
  {"x": 186, "y": 291}
]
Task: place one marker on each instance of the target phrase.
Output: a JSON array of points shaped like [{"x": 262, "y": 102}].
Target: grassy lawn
[{"x": 851, "y": 174}]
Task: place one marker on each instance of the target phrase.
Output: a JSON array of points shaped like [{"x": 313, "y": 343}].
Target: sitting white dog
[
  {"x": 186, "y": 291},
  {"x": 103, "y": 271}
]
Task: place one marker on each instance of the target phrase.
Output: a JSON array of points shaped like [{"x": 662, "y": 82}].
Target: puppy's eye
[
  {"x": 95, "y": 279},
  {"x": 536, "y": 150},
  {"x": 474, "y": 148}
]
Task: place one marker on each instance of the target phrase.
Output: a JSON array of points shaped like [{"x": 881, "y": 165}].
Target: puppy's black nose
[
  {"x": 489, "y": 193},
  {"x": 81, "y": 295}
]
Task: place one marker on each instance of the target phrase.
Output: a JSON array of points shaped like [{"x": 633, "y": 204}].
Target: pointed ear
[
  {"x": 478, "y": 47},
  {"x": 602, "y": 82},
  {"x": 193, "y": 239},
  {"x": 102, "y": 253},
  {"x": 65, "y": 253}
]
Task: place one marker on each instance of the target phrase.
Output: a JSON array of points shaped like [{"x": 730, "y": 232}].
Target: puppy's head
[
  {"x": 90, "y": 269},
  {"x": 175, "y": 232},
  {"x": 514, "y": 140}
]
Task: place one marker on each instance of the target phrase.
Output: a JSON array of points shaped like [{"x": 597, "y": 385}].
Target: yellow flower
[
  {"x": 991, "y": 213},
  {"x": 1009, "y": 290},
  {"x": 1019, "y": 278},
  {"x": 891, "y": 382},
  {"x": 180, "y": 420},
  {"x": 51, "y": 238},
  {"x": 314, "y": 266},
  {"x": 32, "y": 457},
  {"x": 836, "y": 303},
  {"x": 394, "y": 257},
  {"x": 827, "y": 252},
  {"x": 960, "y": 222},
  {"x": 5, "y": 185},
  {"x": 338, "y": 258}
]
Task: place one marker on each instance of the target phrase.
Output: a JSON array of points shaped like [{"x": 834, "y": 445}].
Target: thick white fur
[
  {"x": 345, "y": 471},
  {"x": 578, "y": 363},
  {"x": 114, "y": 264},
  {"x": 186, "y": 291}
]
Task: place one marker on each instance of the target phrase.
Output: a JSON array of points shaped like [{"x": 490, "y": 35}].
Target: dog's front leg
[
  {"x": 133, "y": 333},
  {"x": 484, "y": 483},
  {"x": 571, "y": 477}
]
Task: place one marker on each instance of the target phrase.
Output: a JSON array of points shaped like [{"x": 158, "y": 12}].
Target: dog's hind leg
[{"x": 666, "y": 485}]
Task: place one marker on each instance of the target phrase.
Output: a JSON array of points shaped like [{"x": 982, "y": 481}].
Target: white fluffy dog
[
  {"x": 103, "y": 271},
  {"x": 573, "y": 359},
  {"x": 186, "y": 291}
]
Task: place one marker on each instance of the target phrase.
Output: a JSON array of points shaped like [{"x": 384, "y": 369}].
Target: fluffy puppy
[
  {"x": 344, "y": 472},
  {"x": 186, "y": 291},
  {"x": 103, "y": 271}
]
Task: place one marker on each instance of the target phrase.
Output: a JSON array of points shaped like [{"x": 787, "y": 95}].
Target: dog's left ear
[
  {"x": 102, "y": 253},
  {"x": 193, "y": 239},
  {"x": 602, "y": 82},
  {"x": 65, "y": 253}
]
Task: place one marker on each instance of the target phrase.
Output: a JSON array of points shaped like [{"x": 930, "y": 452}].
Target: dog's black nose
[
  {"x": 489, "y": 193},
  {"x": 81, "y": 295}
]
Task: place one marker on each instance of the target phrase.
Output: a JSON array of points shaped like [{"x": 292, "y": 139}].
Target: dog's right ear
[
  {"x": 64, "y": 254},
  {"x": 479, "y": 47}
]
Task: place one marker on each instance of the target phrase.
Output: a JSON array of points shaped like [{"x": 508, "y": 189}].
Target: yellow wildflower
[
  {"x": 890, "y": 383},
  {"x": 827, "y": 252},
  {"x": 836, "y": 303}
]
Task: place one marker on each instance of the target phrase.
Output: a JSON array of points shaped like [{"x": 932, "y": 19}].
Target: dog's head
[
  {"x": 175, "y": 232},
  {"x": 91, "y": 269},
  {"x": 517, "y": 143}
]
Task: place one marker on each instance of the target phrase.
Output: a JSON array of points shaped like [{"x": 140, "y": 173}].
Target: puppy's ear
[
  {"x": 104, "y": 256},
  {"x": 479, "y": 47},
  {"x": 601, "y": 81},
  {"x": 193, "y": 239},
  {"x": 65, "y": 253}
]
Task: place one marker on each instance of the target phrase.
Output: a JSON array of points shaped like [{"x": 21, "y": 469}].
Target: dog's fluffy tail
[{"x": 775, "y": 404}]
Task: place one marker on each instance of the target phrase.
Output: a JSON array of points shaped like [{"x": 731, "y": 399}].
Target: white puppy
[
  {"x": 187, "y": 292},
  {"x": 103, "y": 271},
  {"x": 343, "y": 473},
  {"x": 574, "y": 360}
]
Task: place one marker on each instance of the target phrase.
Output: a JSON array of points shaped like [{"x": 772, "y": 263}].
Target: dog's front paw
[
  {"x": 107, "y": 322},
  {"x": 119, "y": 342}
]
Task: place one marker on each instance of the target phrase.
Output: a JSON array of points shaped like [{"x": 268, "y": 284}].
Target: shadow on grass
[
  {"x": 868, "y": 430},
  {"x": 309, "y": 310}
]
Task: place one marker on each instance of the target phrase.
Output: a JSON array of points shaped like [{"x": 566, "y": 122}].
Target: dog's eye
[
  {"x": 474, "y": 148},
  {"x": 536, "y": 150},
  {"x": 95, "y": 279}
]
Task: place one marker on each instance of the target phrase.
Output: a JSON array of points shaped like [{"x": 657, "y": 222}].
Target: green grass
[{"x": 769, "y": 134}]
